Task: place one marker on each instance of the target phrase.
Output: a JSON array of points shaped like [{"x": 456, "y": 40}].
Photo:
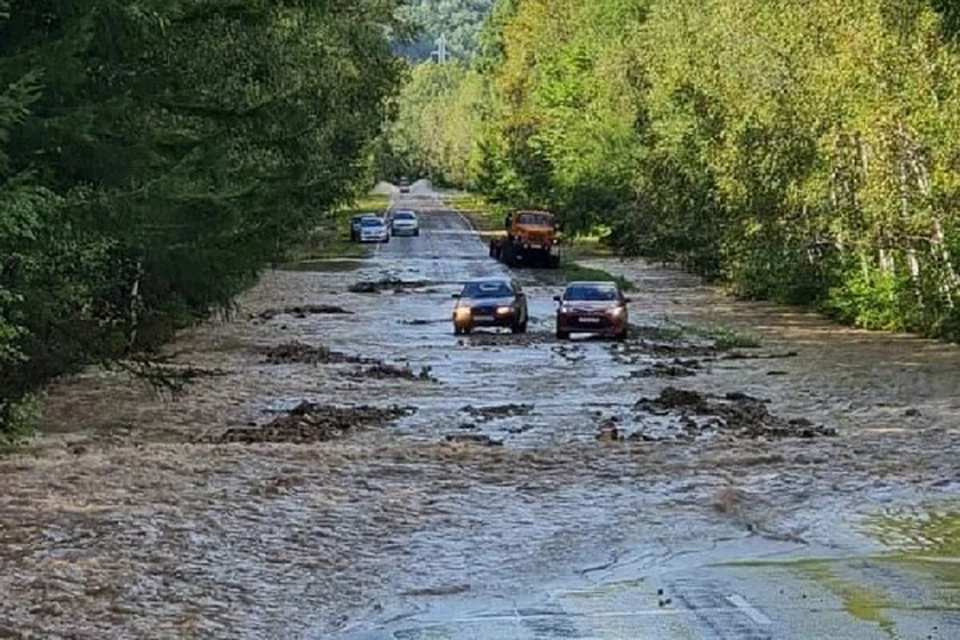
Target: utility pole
[{"x": 440, "y": 53}]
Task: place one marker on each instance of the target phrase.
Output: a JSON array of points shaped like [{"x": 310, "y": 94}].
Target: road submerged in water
[{"x": 339, "y": 465}]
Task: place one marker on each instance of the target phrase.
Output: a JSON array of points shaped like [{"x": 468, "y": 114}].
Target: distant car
[
  {"x": 404, "y": 185},
  {"x": 374, "y": 229},
  {"x": 355, "y": 222},
  {"x": 592, "y": 307},
  {"x": 405, "y": 223},
  {"x": 490, "y": 302}
]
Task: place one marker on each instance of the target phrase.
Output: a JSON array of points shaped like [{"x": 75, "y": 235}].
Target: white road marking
[{"x": 751, "y": 611}]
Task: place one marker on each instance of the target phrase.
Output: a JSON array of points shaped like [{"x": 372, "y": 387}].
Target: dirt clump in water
[
  {"x": 737, "y": 414},
  {"x": 299, "y": 353},
  {"x": 311, "y": 422},
  {"x": 385, "y": 371},
  {"x": 386, "y": 284},
  {"x": 740, "y": 355},
  {"x": 301, "y": 311},
  {"x": 473, "y": 438},
  {"x": 486, "y": 414},
  {"x": 491, "y": 339},
  {"x": 676, "y": 369}
]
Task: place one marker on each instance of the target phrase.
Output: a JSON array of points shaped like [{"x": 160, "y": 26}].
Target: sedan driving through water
[
  {"x": 490, "y": 302},
  {"x": 599, "y": 308}
]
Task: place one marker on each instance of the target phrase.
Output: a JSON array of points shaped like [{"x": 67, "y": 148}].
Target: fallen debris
[
  {"x": 738, "y": 415},
  {"x": 385, "y": 284},
  {"x": 310, "y": 422},
  {"x": 300, "y": 353},
  {"x": 302, "y": 311},
  {"x": 473, "y": 438},
  {"x": 676, "y": 369},
  {"x": 499, "y": 412},
  {"x": 383, "y": 371},
  {"x": 740, "y": 355}
]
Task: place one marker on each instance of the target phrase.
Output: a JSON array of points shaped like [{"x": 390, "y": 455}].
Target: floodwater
[{"x": 489, "y": 508}]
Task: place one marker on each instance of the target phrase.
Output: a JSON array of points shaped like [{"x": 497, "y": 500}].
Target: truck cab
[{"x": 530, "y": 238}]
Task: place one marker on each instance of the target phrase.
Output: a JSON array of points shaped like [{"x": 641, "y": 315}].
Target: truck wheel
[
  {"x": 553, "y": 262},
  {"x": 508, "y": 256},
  {"x": 620, "y": 337},
  {"x": 493, "y": 249}
]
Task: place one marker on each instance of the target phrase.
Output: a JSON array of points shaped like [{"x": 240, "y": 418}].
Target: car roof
[{"x": 599, "y": 284}]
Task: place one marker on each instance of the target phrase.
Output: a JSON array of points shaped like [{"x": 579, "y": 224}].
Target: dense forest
[
  {"x": 156, "y": 154},
  {"x": 805, "y": 151}
]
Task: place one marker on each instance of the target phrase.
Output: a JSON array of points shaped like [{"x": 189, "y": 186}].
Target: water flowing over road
[{"x": 412, "y": 484}]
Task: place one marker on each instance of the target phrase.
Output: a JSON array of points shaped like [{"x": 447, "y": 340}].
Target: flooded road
[{"x": 340, "y": 465}]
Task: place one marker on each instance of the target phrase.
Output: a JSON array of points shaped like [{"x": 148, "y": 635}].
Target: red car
[{"x": 593, "y": 307}]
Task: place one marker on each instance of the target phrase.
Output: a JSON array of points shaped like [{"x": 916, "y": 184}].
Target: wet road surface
[{"x": 132, "y": 519}]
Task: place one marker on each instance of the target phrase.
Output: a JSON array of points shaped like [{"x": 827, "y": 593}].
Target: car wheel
[
  {"x": 620, "y": 337},
  {"x": 563, "y": 335},
  {"x": 416, "y": 233}
]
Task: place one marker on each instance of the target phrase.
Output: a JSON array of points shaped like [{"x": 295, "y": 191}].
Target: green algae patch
[
  {"x": 928, "y": 540},
  {"x": 858, "y": 600},
  {"x": 929, "y": 533}
]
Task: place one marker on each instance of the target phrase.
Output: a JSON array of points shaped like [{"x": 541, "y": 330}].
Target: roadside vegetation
[
  {"x": 154, "y": 156},
  {"x": 803, "y": 152},
  {"x": 331, "y": 237}
]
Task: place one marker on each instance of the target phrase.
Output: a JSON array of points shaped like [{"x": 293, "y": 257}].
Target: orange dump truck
[{"x": 531, "y": 239}]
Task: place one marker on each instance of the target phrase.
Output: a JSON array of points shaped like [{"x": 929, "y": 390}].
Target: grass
[
  {"x": 485, "y": 216},
  {"x": 724, "y": 338},
  {"x": 573, "y": 271},
  {"x": 331, "y": 238}
]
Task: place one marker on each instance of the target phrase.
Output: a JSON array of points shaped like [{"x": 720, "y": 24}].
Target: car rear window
[
  {"x": 486, "y": 290},
  {"x": 590, "y": 293},
  {"x": 371, "y": 222},
  {"x": 404, "y": 215}
]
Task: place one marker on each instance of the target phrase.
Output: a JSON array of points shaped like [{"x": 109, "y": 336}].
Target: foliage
[
  {"x": 459, "y": 21},
  {"x": 801, "y": 151},
  {"x": 155, "y": 154}
]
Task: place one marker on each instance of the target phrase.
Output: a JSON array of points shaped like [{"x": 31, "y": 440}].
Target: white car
[
  {"x": 405, "y": 223},
  {"x": 374, "y": 229}
]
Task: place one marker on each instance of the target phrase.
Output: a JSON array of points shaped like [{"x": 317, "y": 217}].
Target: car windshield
[
  {"x": 590, "y": 293},
  {"x": 403, "y": 215},
  {"x": 538, "y": 219},
  {"x": 493, "y": 289},
  {"x": 371, "y": 222}
]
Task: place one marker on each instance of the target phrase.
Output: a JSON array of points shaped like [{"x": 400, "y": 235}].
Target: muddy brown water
[{"x": 127, "y": 518}]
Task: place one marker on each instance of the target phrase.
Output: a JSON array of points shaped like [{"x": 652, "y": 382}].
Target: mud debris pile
[
  {"x": 684, "y": 415},
  {"x": 386, "y": 284},
  {"x": 486, "y": 414},
  {"x": 296, "y": 352},
  {"x": 385, "y": 371},
  {"x": 676, "y": 369},
  {"x": 311, "y": 422},
  {"x": 301, "y": 311}
]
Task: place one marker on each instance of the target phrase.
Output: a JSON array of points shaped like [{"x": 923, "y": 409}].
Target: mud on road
[{"x": 336, "y": 478}]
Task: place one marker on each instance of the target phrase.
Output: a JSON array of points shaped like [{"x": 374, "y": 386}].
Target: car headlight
[
  {"x": 504, "y": 311},
  {"x": 462, "y": 313},
  {"x": 616, "y": 312}
]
